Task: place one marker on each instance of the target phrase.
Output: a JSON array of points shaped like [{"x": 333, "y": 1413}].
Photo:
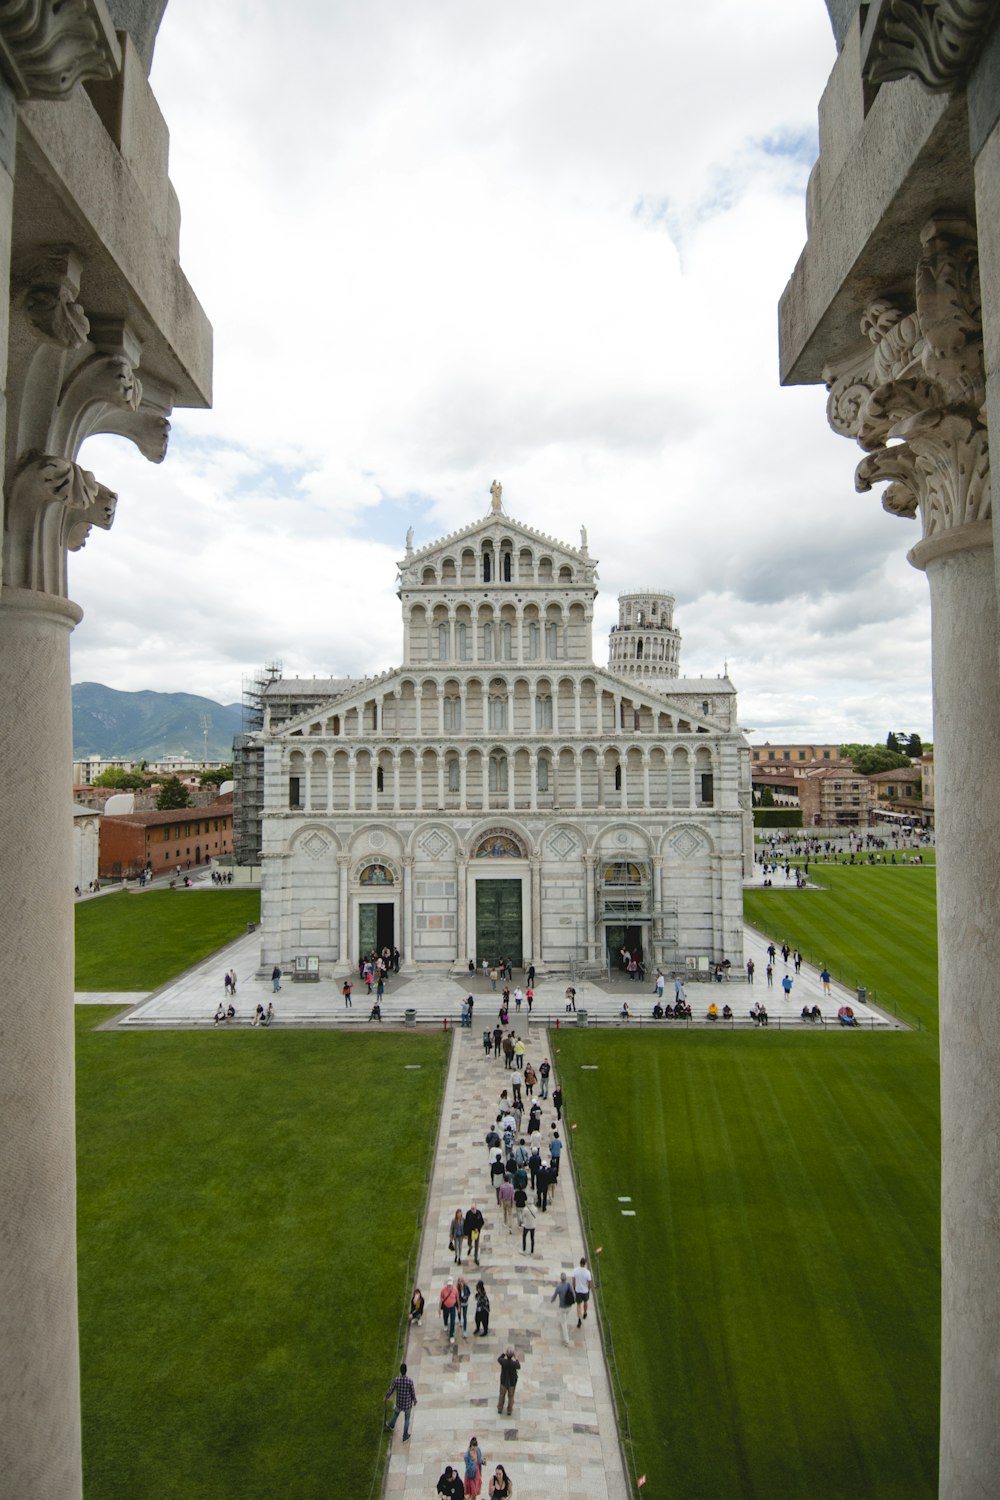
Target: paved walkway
[
  {"x": 192, "y": 998},
  {"x": 562, "y": 1438}
]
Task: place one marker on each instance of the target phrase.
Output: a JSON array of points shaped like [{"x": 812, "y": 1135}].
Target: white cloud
[{"x": 448, "y": 242}]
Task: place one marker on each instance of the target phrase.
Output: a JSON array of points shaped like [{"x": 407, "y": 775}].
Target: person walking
[
  {"x": 276, "y": 979},
  {"x": 448, "y": 1303},
  {"x": 405, "y": 1400},
  {"x": 482, "y": 1310},
  {"x": 544, "y": 1070},
  {"x": 464, "y": 1293},
  {"x": 824, "y": 975},
  {"x": 509, "y": 1366},
  {"x": 501, "y": 1484},
  {"x": 786, "y": 985},
  {"x": 582, "y": 1281},
  {"x": 505, "y": 1197},
  {"x": 455, "y": 1232},
  {"x": 565, "y": 1298},
  {"x": 750, "y": 970},
  {"x": 557, "y": 1100},
  {"x": 527, "y": 1217},
  {"x": 497, "y": 1039},
  {"x": 473, "y": 1226},
  {"x": 473, "y": 1462},
  {"x": 346, "y": 992}
]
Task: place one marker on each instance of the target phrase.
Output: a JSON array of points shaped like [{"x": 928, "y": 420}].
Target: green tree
[
  {"x": 122, "y": 781},
  {"x": 216, "y": 778},
  {"x": 766, "y": 797},
  {"x": 172, "y": 794},
  {"x": 892, "y": 742},
  {"x": 914, "y": 746}
]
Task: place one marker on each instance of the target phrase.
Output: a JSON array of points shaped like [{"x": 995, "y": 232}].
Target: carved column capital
[
  {"x": 934, "y": 41},
  {"x": 47, "y": 47},
  {"x": 51, "y": 507},
  {"x": 912, "y": 393}
]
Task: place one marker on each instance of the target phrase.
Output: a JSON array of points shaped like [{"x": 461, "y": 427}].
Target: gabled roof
[
  {"x": 635, "y": 690},
  {"x": 490, "y": 523}
]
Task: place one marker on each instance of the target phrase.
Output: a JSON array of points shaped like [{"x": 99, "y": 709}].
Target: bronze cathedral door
[{"x": 498, "y": 921}]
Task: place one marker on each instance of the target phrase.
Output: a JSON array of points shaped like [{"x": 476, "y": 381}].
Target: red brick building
[{"x": 187, "y": 836}]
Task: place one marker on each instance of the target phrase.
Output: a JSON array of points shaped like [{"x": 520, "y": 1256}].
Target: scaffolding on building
[{"x": 248, "y": 766}]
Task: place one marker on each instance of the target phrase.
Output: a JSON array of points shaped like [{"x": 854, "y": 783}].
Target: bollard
[
  {"x": 558, "y": 1022},
  {"x": 446, "y": 1023}
]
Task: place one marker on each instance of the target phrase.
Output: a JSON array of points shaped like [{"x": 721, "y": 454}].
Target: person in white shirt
[{"x": 582, "y": 1280}]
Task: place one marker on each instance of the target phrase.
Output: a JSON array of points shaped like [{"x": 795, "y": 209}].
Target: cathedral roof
[{"x": 489, "y": 524}]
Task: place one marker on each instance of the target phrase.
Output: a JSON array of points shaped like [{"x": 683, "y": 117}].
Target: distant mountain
[{"x": 147, "y": 726}]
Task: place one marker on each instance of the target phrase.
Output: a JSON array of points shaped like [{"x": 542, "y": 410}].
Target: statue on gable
[{"x": 496, "y": 491}]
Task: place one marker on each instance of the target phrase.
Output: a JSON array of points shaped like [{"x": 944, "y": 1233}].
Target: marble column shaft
[{"x": 39, "y": 1365}]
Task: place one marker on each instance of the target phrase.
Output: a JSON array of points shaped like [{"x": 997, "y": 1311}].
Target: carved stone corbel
[
  {"x": 51, "y": 506},
  {"x": 913, "y": 394},
  {"x": 47, "y": 47},
  {"x": 51, "y": 289},
  {"x": 934, "y": 41}
]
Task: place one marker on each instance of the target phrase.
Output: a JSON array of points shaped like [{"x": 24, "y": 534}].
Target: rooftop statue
[{"x": 496, "y": 491}]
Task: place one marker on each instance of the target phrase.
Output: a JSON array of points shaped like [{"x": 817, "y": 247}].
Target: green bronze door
[{"x": 498, "y": 921}]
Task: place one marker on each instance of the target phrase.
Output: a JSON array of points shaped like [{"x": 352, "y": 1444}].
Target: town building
[
  {"x": 183, "y": 838},
  {"x": 796, "y": 755},
  {"x": 498, "y": 794},
  {"x": 86, "y": 847},
  {"x": 834, "y": 797}
]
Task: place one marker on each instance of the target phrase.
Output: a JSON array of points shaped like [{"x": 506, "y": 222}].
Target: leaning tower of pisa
[{"x": 644, "y": 643}]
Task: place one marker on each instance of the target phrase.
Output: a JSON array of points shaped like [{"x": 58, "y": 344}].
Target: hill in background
[{"x": 147, "y": 725}]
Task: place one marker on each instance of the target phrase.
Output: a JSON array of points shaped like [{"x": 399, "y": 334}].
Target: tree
[
  {"x": 216, "y": 778},
  {"x": 892, "y": 742},
  {"x": 122, "y": 781},
  {"x": 868, "y": 759},
  {"x": 766, "y": 797},
  {"x": 914, "y": 747},
  {"x": 172, "y": 794}
]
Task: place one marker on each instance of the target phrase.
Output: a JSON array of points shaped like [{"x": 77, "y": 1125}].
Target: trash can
[
  {"x": 411, "y": 1017},
  {"x": 251, "y": 927},
  {"x": 581, "y": 1018},
  {"x": 862, "y": 994}
]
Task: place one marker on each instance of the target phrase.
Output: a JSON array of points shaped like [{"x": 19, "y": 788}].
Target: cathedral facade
[{"x": 499, "y": 794}]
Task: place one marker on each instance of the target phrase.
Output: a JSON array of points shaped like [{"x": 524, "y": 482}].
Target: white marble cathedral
[{"x": 499, "y": 794}]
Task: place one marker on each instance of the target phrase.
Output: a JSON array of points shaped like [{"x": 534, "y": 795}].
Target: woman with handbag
[{"x": 473, "y": 1468}]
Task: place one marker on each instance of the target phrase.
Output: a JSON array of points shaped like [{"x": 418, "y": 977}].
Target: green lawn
[
  {"x": 247, "y": 1201},
  {"x": 870, "y": 925},
  {"x": 138, "y": 940},
  {"x": 774, "y": 1302}
]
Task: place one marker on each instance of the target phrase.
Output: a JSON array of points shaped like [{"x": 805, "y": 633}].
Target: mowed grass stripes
[
  {"x": 247, "y": 1201},
  {"x": 774, "y": 1303}
]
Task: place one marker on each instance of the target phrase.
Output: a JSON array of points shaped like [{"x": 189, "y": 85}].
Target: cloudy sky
[{"x": 447, "y": 242}]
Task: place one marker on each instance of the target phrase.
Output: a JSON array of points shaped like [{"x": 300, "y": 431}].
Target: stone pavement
[
  {"x": 192, "y": 998},
  {"x": 562, "y": 1437}
]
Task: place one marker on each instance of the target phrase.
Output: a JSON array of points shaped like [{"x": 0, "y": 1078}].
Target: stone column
[
  {"x": 418, "y": 777},
  {"x": 343, "y": 860},
  {"x": 352, "y": 781},
  {"x": 329, "y": 781},
  {"x": 536, "y": 908},
  {"x": 395, "y": 781},
  {"x": 461, "y": 940},
  {"x": 590, "y": 865},
  {"x": 578, "y": 772},
  {"x": 645, "y": 778},
  {"x": 511, "y": 771},
  {"x": 407, "y": 912},
  {"x": 576, "y": 708},
  {"x": 533, "y": 777},
  {"x": 463, "y": 769},
  {"x": 39, "y": 1369},
  {"x": 307, "y": 783},
  {"x": 657, "y": 924},
  {"x": 913, "y": 396}
]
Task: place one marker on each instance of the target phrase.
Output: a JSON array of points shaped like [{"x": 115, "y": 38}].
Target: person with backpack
[
  {"x": 482, "y": 1310},
  {"x": 565, "y": 1296}
]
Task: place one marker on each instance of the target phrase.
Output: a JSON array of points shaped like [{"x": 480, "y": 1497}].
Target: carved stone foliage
[
  {"x": 49, "y": 46},
  {"x": 912, "y": 394},
  {"x": 935, "y": 41},
  {"x": 51, "y": 506},
  {"x": 72, "y": 375}
]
